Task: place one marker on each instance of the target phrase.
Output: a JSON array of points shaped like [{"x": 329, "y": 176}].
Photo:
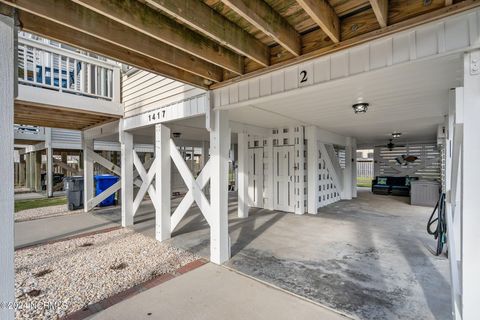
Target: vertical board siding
[
  {"x": 328, "y": 190},
  {"x": 427, "y": 166},
  {"x": 449, "y": 35},
  {"x": 143, "y": 91}
]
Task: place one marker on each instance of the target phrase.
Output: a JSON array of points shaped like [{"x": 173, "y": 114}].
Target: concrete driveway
[
  {"x": 212, "y": 292},
  {"x": 368, "y": 257}
]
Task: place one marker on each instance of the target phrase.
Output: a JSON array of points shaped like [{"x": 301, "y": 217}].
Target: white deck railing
[{"x": 47, "y": 66}]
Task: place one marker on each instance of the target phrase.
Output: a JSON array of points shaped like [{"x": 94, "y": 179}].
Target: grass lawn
[
  {"x": 38, "y": 203},
  {"x": 364, "y": 182}
]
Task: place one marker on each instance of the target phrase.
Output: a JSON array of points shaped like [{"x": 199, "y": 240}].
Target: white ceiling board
[
  {"x": 190, "y": 129},
  {"x": 410, "y": 98}
]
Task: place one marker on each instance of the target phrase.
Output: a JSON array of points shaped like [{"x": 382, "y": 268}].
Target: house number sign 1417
[{"x": 156, "y": 116}]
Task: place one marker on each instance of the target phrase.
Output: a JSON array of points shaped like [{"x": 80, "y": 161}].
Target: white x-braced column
[
  {"x": 126, "y": 147},
  {"x": 162, "y": 182},
  {"x": 88, "y": 192},
  {"x": 91, "y": 157},
  {"x": 219, "y": 146},
  {"x": 195, "y": 188},
  {"x": 243, "y": 175}
]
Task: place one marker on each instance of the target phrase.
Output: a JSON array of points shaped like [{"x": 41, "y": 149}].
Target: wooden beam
[
  {"x": 262, "y": 16},
  {"x": 323, "y": 14},
  {"x": 144, "y": 19},
  {"x": 380, "y": 8},
  {"x": 448, "y": 2},
  {"x": 200, "y": 17},
  {"x": 61, "y": 33},
  {"x": 84, "y": 20}
]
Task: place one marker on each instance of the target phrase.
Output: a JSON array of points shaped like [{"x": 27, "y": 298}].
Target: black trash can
[{"x": 74, "y": 188}]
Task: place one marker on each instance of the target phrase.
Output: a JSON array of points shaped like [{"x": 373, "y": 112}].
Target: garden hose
[{"x": 440, "y": 232}]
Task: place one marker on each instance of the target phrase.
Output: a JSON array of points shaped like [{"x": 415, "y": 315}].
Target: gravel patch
[
  {"x": 44, "y": 212},
  {"x": 56, "y": 279},
  {"x": 22, "y": 190}
]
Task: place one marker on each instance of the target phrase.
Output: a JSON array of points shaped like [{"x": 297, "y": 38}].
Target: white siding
[{"x": 143, "y": 91}]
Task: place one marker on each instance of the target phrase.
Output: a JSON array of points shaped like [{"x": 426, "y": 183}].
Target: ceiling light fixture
[
  {"x": 361, "y": 107},
  {"x": 396, "y": 135}
]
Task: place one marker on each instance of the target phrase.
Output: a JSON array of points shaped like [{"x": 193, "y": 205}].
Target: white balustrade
[{"x": 43, "y": 64}]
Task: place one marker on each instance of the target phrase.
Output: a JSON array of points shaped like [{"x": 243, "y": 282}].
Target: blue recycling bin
[{"x": 102, "y": 183}]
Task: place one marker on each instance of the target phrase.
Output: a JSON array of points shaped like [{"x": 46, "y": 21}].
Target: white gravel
[
  {"x": 82, "y": 271},
  {"x": 44, "y": 212}
]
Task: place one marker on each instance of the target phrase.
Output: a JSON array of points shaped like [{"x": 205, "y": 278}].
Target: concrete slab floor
[
  {"x": 214, "y": 293},
  {"x": 368, "y": 257}
]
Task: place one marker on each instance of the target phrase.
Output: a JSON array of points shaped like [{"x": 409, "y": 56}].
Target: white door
[
  {"x": 283, "y": 181},
  {"x": 255, "y": 177}
]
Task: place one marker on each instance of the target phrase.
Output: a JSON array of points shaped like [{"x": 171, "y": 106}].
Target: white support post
[
  {"x": 162, "y": 182},
  {"x": 242, "y": 175},
  {"x": 312, "y": 169},
  {"x": 354, "y": 167},
  {"x": 126, "y": 146},
  {"x": 471, "y": 176},
  {"x": 300, "y": 172},
  {"x": 88, "y": 183},
  {"x": 49, "y": 149},
  {"x": 268, "y": 150},
  {"x": 7, "y": 84},
  {"x": 27, "y": 169},
  {"x": 38, "y": 171},
  {"x": 116, "y": 86},
  {"x": 347, "y": 172},
  {"x": 219, "y": 146}
]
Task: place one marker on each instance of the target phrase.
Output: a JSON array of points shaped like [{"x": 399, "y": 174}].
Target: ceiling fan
[{"x": 390, "y": 145}]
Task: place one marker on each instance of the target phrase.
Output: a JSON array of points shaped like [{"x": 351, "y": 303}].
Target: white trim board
[
  {"x": 39, "y": 96},
  {"x": 183, "y": 109}
]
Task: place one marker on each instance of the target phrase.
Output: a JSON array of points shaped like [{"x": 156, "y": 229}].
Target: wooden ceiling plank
[
  {"x": 144, "y": 19},
  {"x": 199, "y": 16},
  {"x": 61, "y": 33},
  {"x": 400, "y": 24},
  {"x": 324, "y": 15},
  {"x": 263, "y": 17},
  {"x": 82, "y": 19},
  {"x": 380, "y": 8}
]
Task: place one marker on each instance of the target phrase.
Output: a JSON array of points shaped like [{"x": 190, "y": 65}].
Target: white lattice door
[
  {"x": 255, "y": 177},
  {"x": 283, "y": 184}
]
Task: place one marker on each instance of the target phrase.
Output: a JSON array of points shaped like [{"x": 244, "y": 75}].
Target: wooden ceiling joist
[
  {"x": 144, "y": 19},
  {"x": 262, "y": 16},
  {"x": 82, "y": 19},
  {"x": 380, "y": 8},
  {"x": 210, "y": 43},
  {"x": 404, "y": 20},
  {"x": 323, "y": 14},
  {"x": 199, "y": 16},
  {"x": 61, "y": 33}
]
